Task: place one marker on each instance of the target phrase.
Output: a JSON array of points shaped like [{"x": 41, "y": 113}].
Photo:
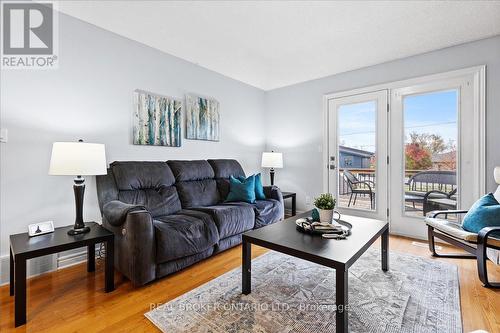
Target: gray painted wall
[
  {"x": 90, "y": 96},
  {"x": 295, "y": 115}
]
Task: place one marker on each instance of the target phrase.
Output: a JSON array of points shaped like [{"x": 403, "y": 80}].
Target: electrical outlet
[{"x": 308, "y": 200}]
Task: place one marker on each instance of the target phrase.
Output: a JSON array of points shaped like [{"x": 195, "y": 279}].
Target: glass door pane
[
  {"x": 430, "y": 152},
  {"x": 357, "y": 151}
]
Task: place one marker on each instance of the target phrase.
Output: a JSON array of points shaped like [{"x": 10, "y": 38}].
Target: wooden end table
[
  {"x": 293, "y": 196},
  {"x": 23, "y": 247}
]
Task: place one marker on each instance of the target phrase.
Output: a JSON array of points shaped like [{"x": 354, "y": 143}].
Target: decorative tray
[{"x": 338, "y": 227}]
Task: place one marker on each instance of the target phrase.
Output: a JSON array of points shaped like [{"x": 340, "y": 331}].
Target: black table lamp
[
  {"x": 272, "y": 160},
  {"x": 78, "y": 159}
]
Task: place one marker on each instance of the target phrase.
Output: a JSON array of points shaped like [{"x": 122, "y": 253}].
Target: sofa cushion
[
  {"x": 228, "y": 242},
  {"x": 266, "y": 211},
  {"x": 141, "y": 175},
  {"x": 198, "y": 193},
  {"x": 195, "y": 183},
  {"x": 149, "y": 184},
  {"x": 183, "y": 234},
  {"x": 231, "y": 219},
  {"x": 160, "y": 201},
  {"x": 191, "y": 170},
  {"x": 223, "y": 187},
  {"x": 176, "y": 265},
  {"x": 225, "y": 168}
]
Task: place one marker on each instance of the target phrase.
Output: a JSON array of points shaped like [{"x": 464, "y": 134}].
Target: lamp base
[
  {"x": 73, "y": 231},
  {"x": 79, "y": 226},
  {"x": 271, "y": 174}
]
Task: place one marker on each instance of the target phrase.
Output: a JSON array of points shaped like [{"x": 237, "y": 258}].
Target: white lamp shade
[
  {"x": 77, "y": 159},
  {"x": 496, "y": 174},
  {"x": 272, "y": 160}
]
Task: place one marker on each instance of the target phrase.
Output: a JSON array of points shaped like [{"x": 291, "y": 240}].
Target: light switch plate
[{"x": 4, "y": 135}]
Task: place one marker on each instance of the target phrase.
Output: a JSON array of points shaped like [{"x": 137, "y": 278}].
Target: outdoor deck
[
  {"x": 364, "y": 203},
  {"x": 417, "y": 183}
]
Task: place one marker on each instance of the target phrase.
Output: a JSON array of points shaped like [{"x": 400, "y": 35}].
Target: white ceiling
[{"x": 274, "y": 44}]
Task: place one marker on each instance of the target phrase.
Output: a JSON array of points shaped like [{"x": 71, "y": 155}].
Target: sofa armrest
[
  {"x": 273, "y": 192},
  {"x": 135, "y": 247},
  {"x": 116, "y": 211}
]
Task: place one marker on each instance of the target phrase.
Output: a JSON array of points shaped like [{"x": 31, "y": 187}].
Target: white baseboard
[
  {"x": 71, "y": 259},
  {"x": 397, "y": 233},
  {"x": 34, "y": 267},
  {"x": 45, "y": 264}
]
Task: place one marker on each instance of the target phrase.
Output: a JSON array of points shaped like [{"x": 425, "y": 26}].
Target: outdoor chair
[
  {"x": 437, "y": 198},
  {"x": 443, "y": 200},
  {"x": 362, "y": 187}
]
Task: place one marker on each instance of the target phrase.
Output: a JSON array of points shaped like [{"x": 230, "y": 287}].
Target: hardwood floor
[{"x": 72, "y": 300}]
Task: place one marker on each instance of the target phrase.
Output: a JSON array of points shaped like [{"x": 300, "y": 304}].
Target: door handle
[{"x": 332, "y": 167}]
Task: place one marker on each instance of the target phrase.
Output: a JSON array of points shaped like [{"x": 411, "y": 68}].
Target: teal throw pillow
[
  {"x": 484, "y": 213},
  {"x": 241, "y": 190},
  {"x": 259, "y": 188}
]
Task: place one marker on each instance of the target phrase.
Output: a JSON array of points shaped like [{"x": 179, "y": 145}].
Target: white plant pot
[{"x": 325, "y": 215}]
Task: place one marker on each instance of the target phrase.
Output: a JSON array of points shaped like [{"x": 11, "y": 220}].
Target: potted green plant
[{"x": 325, "y": 204}]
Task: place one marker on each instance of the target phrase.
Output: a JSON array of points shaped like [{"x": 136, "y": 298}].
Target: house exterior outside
[
  {"x": 444, "y": 161},
  {"x": 352, "y": 158}
]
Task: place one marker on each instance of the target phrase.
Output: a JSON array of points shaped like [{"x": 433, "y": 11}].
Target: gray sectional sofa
[{"x": 169, "y": 215}]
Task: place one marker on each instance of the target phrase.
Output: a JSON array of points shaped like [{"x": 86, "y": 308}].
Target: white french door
[
  {"x": 434, "y": 151},
  {"x": 357, "y": 150},
  {"x": 399, "y": 150}
]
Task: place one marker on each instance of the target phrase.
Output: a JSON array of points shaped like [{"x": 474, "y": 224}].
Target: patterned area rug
[{"x": 291, "y": 295}]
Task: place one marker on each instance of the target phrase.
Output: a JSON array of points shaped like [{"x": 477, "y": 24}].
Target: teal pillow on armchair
[
  {"x": 241, "y": 190},
  {"x": 484, "y": 213}
]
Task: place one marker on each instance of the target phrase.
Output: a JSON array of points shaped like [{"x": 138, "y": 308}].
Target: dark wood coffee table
[{"x": 337, "y": 254}]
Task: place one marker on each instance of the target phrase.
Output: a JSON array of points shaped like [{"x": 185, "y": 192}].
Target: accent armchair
[
  {"x": 481, "y": 246},
  {"x": 475, "y": 244}
]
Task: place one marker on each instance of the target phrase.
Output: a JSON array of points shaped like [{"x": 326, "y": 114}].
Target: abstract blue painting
[
  {"x": 157, "y": 120},
  {"x": 202, "y": 118}
]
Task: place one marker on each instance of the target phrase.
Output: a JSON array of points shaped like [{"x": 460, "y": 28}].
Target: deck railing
[{"x": 370, "y": 174}]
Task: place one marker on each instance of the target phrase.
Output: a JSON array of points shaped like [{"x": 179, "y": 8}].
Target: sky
[{"x": 433, "y": 113}]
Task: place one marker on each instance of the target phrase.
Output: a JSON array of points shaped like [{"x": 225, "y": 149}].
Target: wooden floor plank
[{"x": 72, "y": 300}]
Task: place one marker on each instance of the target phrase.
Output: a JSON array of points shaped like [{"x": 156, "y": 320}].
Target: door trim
[{"x": 479, "y": 78}]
